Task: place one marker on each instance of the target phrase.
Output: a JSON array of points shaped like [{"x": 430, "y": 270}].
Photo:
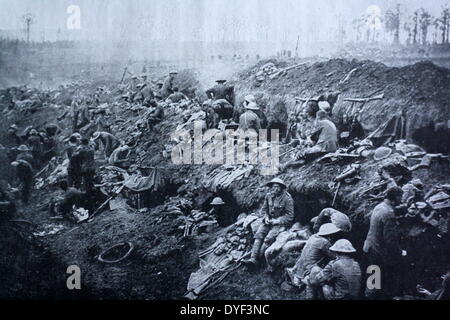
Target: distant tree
[
  {"x": 435, "y": 30},
  {"x": 28, "y": 20},
  {"x": 425, "y": 22},
  {"x": 358, "y": 25},
  {"x": 445, "y": 24},
  {"x": 407, "y": 27},
  {"x": 415, "y": 28},
  {"x": 392, "y": 22}
]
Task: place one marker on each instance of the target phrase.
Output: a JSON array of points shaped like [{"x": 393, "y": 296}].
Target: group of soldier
[{"x": 327, "y": 267}]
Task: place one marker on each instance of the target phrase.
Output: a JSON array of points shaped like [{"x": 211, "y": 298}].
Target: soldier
[
  {"x": 382, "y": 244},
  {"x": 330, "y": 215},
  {"x": 35, "y": 143},
  {"x": 13, "y": 138},
  {"x": 341, "y": 278},
  {"x": 218, "y": 211},
  {"x": 315, "y": 252},
  {"x": 119, "y": 156},
  {"x": 327, "y": 141},
  {"x": 158, "y": 89},
  {"x": 155, "y": 116},
  {"x": 25, "y": 154},
  {"x": 84, "y": 156},
  {"x": 221, "y": 91},
  {"x": 25, "y": 176},
  {"x": 278, "y": 212},
  {"x": 109, "y": 141},
  {"x": 167, "y": 88},
  {"x": 176, "y": 96},
  {"x": 239, "y": 110},
  {"x": 249, "y": 119},
  {"x": 7, "y": 205}
]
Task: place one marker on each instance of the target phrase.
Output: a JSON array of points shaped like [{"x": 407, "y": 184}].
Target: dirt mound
[{"x": 420, "y": 91}]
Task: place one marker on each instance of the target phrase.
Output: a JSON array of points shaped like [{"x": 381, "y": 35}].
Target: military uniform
[
  {"x": 221, "y": 91},
  {"x": 25, "y": 175},
  {"x": 249, "y": 120},
  {"x": 280, "y": 208},
  {"x": 177, "y": 97},
  {"x": 167, "y": 88},
  {"x": 315, "y": 252},
  {"x": 382, "y": 248},
  {"x": 340, "y": 279},
  {"x": 327, "y": 141},
  {"x": 110, "y": 142},
  {"x": 85, "y": 155},
  {"x": 155, "y": 116}
]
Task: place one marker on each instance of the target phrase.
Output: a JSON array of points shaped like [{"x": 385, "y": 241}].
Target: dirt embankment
[{"x": 420, "y": 91}]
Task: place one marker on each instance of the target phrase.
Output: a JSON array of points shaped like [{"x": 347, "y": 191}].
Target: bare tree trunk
[{"x": 28, "y": 32}]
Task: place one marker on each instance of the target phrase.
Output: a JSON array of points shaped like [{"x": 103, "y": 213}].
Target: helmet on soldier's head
[
  {"x": 250, "y": 98},
  {"x": 343, "y": 245},
  {"x": 217, "y": 201},
  {"x": 328, "y": 229},
  {"x": 325, "y": 106},
  {"x": 278, "y": 181},
  {"x": 23, "y": 148}
]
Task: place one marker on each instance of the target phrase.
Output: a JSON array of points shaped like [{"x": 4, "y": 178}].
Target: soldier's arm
[
  {"x": 258, "y": 123},
  {"x": 326, "y": 275},
  {"x": 265, "y": 208},
  {"x": 390, "y": 236},
  {"x": 320, "y": 221}
]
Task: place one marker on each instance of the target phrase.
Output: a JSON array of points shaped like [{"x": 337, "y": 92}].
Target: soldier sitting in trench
[
  {"x": 326, "y": 136},
  {"x": 278, "y": 212}
]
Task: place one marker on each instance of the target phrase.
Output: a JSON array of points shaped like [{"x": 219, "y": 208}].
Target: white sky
[{"x": 244, "y": 20}]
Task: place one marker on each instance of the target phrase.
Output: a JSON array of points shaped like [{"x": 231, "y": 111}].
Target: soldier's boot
[
  {"x": 255, "y": 253},
  {"x": 262, "y": 252}
]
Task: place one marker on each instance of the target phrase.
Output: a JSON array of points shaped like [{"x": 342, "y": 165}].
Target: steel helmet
[
  {"x": 327, "y": 229},
  {"x": 250, "y": 98},
  {"x": 417, "y": 183},
  {"x": 217, "y": 201},
  {"x": 276, "y": 180},
  {"x": 382, "y": 153},
  {"x": 296, "y": 227},
  {"x": 23, "y": 148},
  {"x": 343, "y": 245},
  {"x": 325, "y": 106}
]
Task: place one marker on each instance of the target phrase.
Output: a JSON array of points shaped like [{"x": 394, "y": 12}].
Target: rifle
[
  {"x": 123, "y": 75},
  {"x": 365, "y": 100},
  {"x": 103, "y": 205}
]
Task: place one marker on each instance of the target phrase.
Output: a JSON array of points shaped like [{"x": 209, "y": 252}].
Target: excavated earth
[{"x": 162, "y": 261}]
